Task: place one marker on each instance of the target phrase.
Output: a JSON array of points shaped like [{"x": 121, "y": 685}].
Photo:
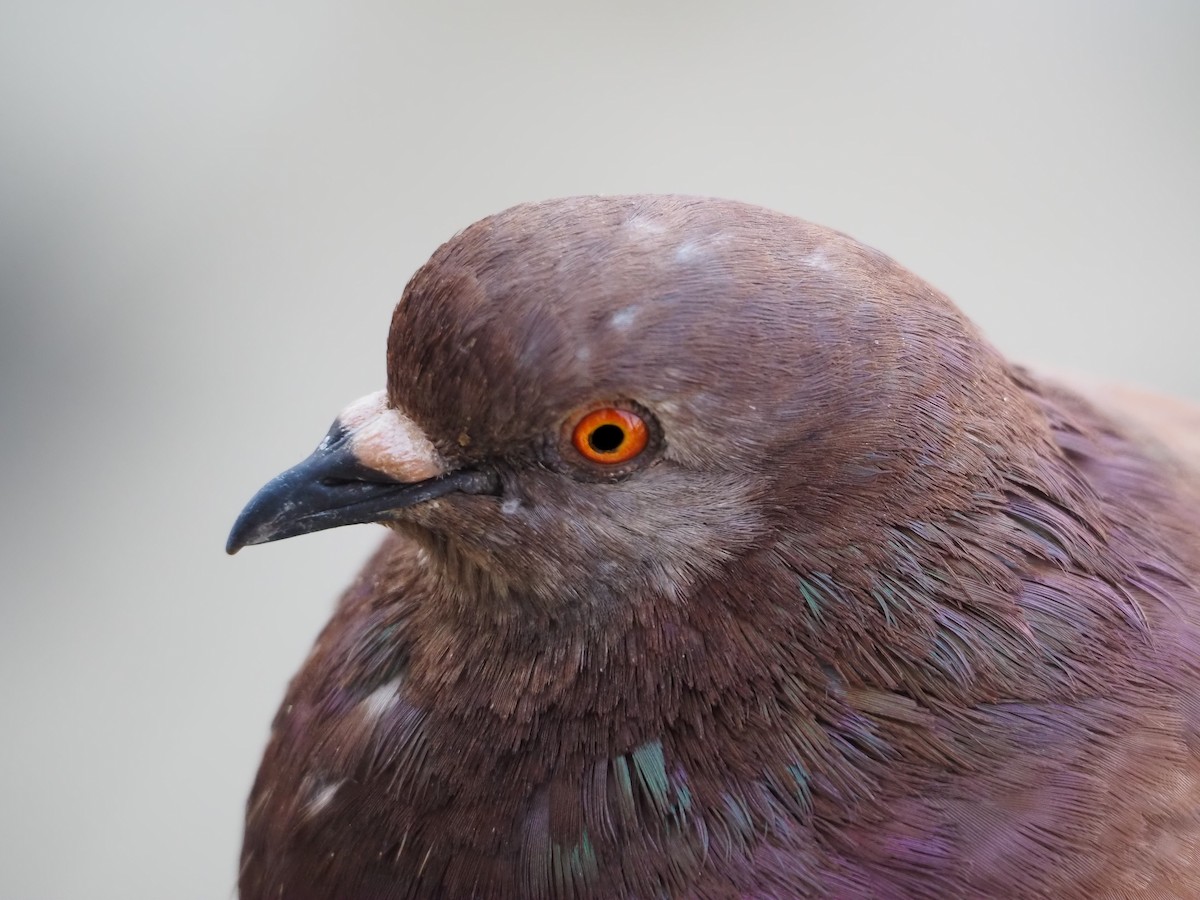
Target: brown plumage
[{"x": 875, "y": 613}]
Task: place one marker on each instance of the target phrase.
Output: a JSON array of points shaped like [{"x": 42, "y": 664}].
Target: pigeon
[{"x": 727, "y": 559}]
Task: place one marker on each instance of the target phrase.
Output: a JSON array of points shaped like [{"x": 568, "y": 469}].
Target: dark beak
[{"x": 336, "y": 487}]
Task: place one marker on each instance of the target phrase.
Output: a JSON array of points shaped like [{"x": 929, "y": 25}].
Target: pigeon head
[
  {"x": 730, "y": 561},
  {"x": 600, "y": 398}
]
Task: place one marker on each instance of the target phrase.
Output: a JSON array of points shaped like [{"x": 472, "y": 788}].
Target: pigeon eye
[{"x": 610, "y": 435}]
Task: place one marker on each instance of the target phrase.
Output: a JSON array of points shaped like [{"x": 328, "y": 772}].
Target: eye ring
[{"x": 610, "y": 436}]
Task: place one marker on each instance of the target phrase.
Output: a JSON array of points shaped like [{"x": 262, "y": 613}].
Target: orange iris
[{"x": 610, "y": 435}]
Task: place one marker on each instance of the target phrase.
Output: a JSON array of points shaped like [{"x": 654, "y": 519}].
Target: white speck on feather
[
  {"x": 623, "y": 318},
  {"x": 647, "y": 226},
  {"x": 321, "y": 797},
  {"x": 376, "y": 703},
  {"x": 688, "y": 251},
  {"x": 818, "y": 260},
  {"x": 510, "y": 506}
]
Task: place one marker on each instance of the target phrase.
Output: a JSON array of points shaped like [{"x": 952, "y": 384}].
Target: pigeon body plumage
[{"x": 728, "y": 560}]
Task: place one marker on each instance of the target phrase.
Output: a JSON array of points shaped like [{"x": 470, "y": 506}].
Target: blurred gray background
[{"x": 208, "y": 211}]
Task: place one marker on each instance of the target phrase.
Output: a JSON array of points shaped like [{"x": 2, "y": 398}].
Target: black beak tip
[
  {"x": 242, "y": 533},
  {"x": 263, "y": 519}
]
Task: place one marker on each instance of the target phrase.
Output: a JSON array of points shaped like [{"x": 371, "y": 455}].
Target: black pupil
[{"x": 606, "y": 438}]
